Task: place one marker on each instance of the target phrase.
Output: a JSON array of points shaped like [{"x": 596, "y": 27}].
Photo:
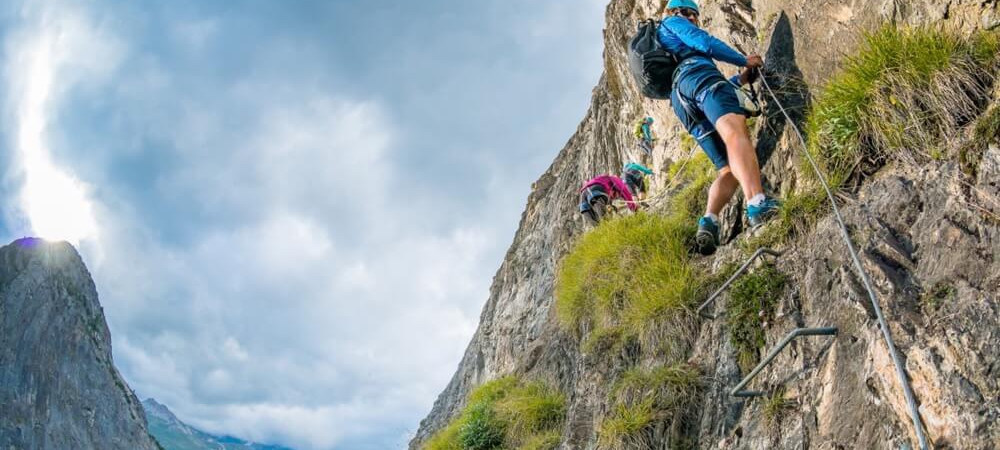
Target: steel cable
[{"x": 900, "y": 370}]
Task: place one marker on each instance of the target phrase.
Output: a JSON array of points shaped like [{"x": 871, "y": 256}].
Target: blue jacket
[{"x": 698, "y": 49}]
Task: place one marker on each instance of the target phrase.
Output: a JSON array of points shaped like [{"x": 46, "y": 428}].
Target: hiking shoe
[
  {"x": 759, "y": 214},
  {"x": 707, "y": 237}
]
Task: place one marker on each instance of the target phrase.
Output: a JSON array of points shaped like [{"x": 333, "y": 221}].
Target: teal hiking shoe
[
  {"x": 759, "y": 214},
  {"x": 707, "y": 237}
]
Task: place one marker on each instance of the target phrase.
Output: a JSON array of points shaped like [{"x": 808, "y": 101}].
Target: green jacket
[
  {"x": 636, "y": 166},
  {"x": 642, "y": 131}
]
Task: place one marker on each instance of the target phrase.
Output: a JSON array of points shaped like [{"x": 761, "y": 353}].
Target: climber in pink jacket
[{"x": 599, "y": 192}]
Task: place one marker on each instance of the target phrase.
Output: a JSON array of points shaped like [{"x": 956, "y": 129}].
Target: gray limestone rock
[{"x": 59, "y": 388}]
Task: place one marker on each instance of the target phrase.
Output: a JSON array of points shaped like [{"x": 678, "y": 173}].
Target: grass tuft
[
  {"x": 627, "y": 268},
  {"x": 481, "y": 429},
  {"x": 668, "y": 385},
  {"x": 446, "y": 439},
  {"x": 898, "y": 96},
  {"x": 505, "y": 413},
  {"x": 986, "y": 131},
  {"x": 632, "y": 271},
  {"x": 492, "y": 391},
  {"x": 752, "y": 299},
  {"x": 530, "y": 409},
  {"x": 644, "y": 398},
  {"x": 542, "y": 441},
  {"x": 937, "y": 296},
  {"x": 776, "y": 406},
  {"x": 625, "y": 427}
]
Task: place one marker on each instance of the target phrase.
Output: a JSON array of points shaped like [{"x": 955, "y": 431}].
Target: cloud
[
  {"x": 322, "y": 301},
  {"x": 44, "y": 60},
  {"x": 272, "y": 344}
]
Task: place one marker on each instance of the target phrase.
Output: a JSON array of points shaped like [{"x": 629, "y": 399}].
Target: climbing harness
[
  {"x": 900, "y": 369},
  {"x": 748, "y": 100}
]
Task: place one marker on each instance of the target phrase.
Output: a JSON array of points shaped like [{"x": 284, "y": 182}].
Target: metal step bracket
[
  {"x": 738, "y": 392},
  {"x": 740, "y": 271}
]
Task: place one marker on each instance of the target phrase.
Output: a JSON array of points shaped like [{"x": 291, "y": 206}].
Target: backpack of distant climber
[
  {"x": 637, "y": 129},
  {"x": 652, "y": 66}
]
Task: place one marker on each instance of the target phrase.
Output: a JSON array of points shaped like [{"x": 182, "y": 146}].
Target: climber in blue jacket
[
  {"x": 707, "y": 105},
  {"x": 634, "y": 176}
]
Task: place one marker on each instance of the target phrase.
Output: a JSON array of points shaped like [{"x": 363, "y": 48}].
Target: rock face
[
  {"x": 933, "y": 261},
  {"x": 921, "y": 231},
  {"x": 173, "y": 434},
  {"x": 59, "y": 388}
]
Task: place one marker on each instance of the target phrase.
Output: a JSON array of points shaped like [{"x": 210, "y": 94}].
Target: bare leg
[
  {"x": 733, "y": 130},
  {"x": 721, "y": 191}
]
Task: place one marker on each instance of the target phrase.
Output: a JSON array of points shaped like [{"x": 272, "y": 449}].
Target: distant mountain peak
[
  {"x": 173, "y": 434},
  {"x": 159, "y": 410}
]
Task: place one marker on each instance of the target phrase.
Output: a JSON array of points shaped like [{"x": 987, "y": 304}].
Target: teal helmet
[
  {"x": 649, "y": 120},
  {"x": 673, "y": 4}
]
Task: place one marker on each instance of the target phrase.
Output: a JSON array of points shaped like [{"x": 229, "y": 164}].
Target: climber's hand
[
  {"x": 754, "y": 61},
  {"x": 748, "y": 75}
]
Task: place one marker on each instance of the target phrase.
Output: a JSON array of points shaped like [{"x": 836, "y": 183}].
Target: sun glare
[
  {"x": 54, "y": 202},
  {"x": 57, "y": 206}
]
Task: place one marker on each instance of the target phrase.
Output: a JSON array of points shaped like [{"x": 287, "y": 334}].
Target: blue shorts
[
  {"x": 706, "y": 104},
  {"x": 718, "y": 100},
  {"x": 713, "y": 146},
  {"x": 588, "y": 195}
]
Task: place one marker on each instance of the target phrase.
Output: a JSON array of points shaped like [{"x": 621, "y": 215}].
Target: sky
[{"x": 292, "y": 210}]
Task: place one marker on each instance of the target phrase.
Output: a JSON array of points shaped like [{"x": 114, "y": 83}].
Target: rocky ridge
[
  {"x": 59, "y": 388},
  {"x": 173, "y": 434},
  {"x": 918, "y": 229}
]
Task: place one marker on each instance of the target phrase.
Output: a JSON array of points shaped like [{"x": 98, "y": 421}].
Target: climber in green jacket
[
  {"x": 644, "y": 135},
  {"x": 634, "y": 176}
]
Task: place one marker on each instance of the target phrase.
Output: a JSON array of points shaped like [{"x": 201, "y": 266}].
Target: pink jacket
[{"x": 614, "y": 187}]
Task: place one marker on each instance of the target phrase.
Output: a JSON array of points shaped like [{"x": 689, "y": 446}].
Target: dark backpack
[{"x": 651, "y": 65}]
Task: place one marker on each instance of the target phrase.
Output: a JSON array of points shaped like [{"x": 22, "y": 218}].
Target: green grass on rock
[
  {"x": 898, "y": 95},
  {"x": 643, "y": 398},
  {"x": 752, "y": 299},
  {"x": 506, "y": 413},
  {"x": 632, "y": 272}
]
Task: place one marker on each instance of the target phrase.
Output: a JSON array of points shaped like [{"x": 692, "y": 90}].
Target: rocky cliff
[
  {"x": 928, "y": 235},
  {"x": 59, "y": 388}
]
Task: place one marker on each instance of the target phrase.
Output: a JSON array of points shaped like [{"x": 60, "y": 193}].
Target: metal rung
[
  {"x": 743, "y": 268},
  {"x": 736, "y": 392}
]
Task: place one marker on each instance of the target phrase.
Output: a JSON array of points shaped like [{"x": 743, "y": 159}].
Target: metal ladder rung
[
  {"x": 737, "y": 392},
  {"x": 743, "y": 268}
]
